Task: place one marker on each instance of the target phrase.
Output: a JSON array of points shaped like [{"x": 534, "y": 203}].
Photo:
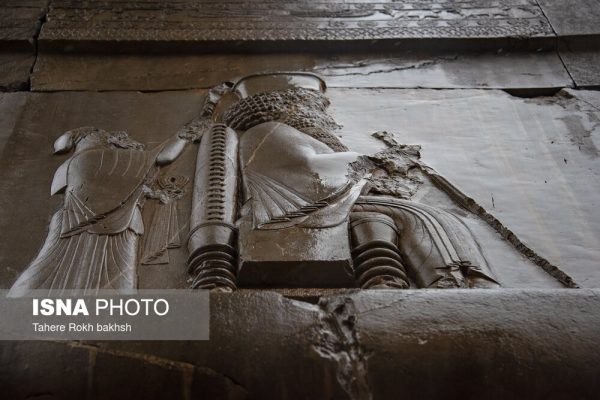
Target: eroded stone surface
[
  {"x": 575, "y": 17},
  {"x": 20, "y": 21},
  {"x": 503, "y": 70},
  {"x": 186, "y": 22},
  {"x": 500, "y": 70},
  {"x": 44, "y": 370},
  {"x": 12, "y": 105},
  {"x": 112, "y": 377},
  {"x": 528, "y": 162},
  {"x": 583, "y": 65},
  {"x": 15, "y": 68},
  {"x": 576, "y": 23},
  {"x": 372, "y": 344},
  {"x": 155, "y": 378},
  {"x": 28, "y": 165}
]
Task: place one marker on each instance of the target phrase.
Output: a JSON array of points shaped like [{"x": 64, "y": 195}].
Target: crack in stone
[
  {"x": 332, "y": 70},
  {"x": 471, "y": 205},
  {"x": 581, "y": 122},
  {"x": 336, "y": 339},
  {"x": 382, "y": 306},
  {"x": 556, "y": 46},
  {"x": 595, "y": 107},
  {"x": 40, "y": 23}
]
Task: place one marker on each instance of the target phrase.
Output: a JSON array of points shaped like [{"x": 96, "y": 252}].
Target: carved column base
[
  {"x": 214, "y": 269},
  {"x": 377, "y": 260},
  {"x": 436, "y": 247},
  {"x": 213, "y": 265}
]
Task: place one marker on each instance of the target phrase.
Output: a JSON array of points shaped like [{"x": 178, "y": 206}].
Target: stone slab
[
  {"x": 485, "y": 70},
  {"x": 573, "y": 17},
  {"x": 591, "y": 97},
  {"x": 528, "y": 162},
  {"x": 44, "y": 370},
  {"x": 500, "y": 70},
  {"x": 581, "y": 57},
  {"x": 71, "y": 370},
  {"x": 429, "y": 344},
  {"x": 34, "y": 121},
  {"x": 112, "y": 378},
  {"x": 20, "y": 22},
  {"x": 531, "y": 163},
  {"x": 12, "y": 105},
  {"x": 187, "y": 24},
  {"x": 15, "y": 68},
  {"x": 584, "y": 67},
  {"x": 578, "y": 27},
  {"x": 295, "y": 258}
]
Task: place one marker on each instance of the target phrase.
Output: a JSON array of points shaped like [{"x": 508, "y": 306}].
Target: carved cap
[{"x": 267, "y": 82}]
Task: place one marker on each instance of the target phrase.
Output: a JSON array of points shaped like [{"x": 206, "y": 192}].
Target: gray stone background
[{"x": 501, "y": 95}]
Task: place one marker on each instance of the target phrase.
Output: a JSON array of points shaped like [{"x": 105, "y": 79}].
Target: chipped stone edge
[
  {"x": 471, "y": 205},
  {"x": 335, "y": 338}
]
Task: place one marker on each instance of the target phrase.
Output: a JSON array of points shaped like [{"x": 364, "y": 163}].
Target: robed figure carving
[
  {"x": 280, "y": 201},
  {"x": 93, "y": 239}
]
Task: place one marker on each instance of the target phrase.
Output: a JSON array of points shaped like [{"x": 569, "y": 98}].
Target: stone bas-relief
[
  {"x": 277, "y": 201},
  {"x": 269, "y": 21},
  {"x": 93, "y": 239}
]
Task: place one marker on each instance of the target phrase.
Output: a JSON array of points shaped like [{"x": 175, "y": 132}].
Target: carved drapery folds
[
  {"x": 93, "y": 239},
  {"x": 301, "y": 221},
  {"x": 277, "y": 201},
  {"x": 167, "y": 229},
  {"x": 438, "y": 248}
]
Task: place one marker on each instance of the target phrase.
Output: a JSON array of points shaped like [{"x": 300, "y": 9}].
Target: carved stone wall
[
  {"x": 417, "y": 220},
  {"x": 335, "y": 20}
]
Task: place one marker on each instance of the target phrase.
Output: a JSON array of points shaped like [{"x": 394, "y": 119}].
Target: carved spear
[{"x": 212, "y": 263}]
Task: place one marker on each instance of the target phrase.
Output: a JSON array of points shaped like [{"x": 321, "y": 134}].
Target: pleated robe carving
[{"x": 92, "y": 241}]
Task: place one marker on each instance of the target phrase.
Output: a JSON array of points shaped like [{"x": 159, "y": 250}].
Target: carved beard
[{"x": 303, "y": 109}]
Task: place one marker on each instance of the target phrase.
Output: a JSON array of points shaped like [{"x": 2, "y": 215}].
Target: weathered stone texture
[
  {"x": 573, "y": 17},
  {"x": 154, "y": 378},
  {"x": 44, "y": 370},
  {"x": 581, "y": 56},
  {"x": 11, "y": 105},
  {"x": 504, "y": 70},
  {"x": 27, "y": 166},
  {"x": 584, "y": 66},
  {"x": 237, "y": 20},
  {"x": 577, "y": 24},
  {"x": 15, "y": 68},
  {"x": 527, "y": 162},
  {"x": 72, "y": 370},
  {"x": 20, "y": 21},
  {"x": 527, "y": 169},
  {"x": 373, "y": 344}
]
